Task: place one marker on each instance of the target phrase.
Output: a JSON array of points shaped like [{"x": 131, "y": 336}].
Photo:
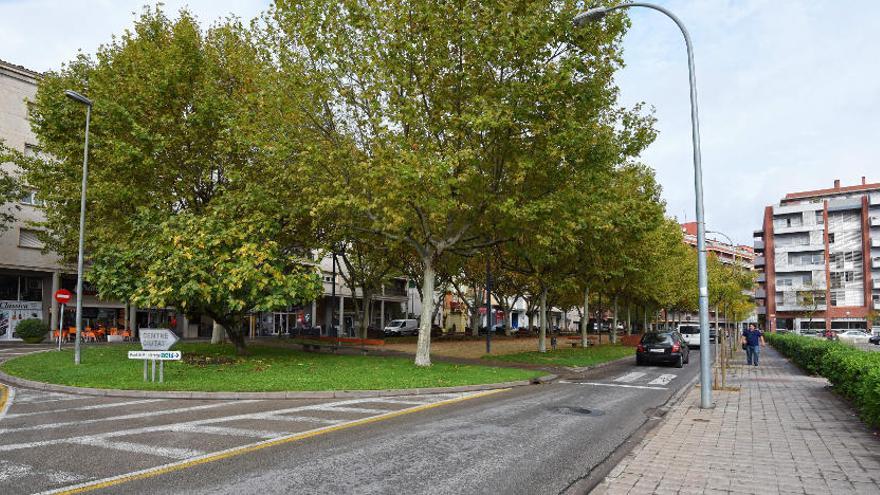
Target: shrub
[
  {"x": 854, "y": 373},
  {"x": 32, "y": 330}
]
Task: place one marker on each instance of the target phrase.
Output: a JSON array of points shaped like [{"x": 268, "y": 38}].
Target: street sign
[
  {"x": 63, "y": 296},
  {"x": 157, "y": 339},
  {"x": 156, "y": 355}
]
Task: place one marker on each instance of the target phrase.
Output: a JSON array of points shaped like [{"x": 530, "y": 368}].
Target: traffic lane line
[
  {"x": 85, "y": 408},
  {"x": 237, "y": 451},
  {"x": 663, "y": 379}
]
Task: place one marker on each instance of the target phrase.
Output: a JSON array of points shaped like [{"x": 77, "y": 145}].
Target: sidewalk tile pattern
[{"x": 782, "y": 433}]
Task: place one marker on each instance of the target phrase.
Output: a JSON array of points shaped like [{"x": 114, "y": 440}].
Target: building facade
[{"x": 820, "y": 259}]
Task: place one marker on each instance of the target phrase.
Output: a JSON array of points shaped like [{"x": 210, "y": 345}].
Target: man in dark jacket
[{"x": 752, "y": 339}]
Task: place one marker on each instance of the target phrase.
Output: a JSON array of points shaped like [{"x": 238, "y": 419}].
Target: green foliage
[
  {"x": 265, "y": 369},
  {"x": 10, "y": 190},
  {"x": 32, "y": 330},
  {"x": 854, "y": 373}
]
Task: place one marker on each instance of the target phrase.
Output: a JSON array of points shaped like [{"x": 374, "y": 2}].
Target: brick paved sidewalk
[{"x": 782, "y": 432}]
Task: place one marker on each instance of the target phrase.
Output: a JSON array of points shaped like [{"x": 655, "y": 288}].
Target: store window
[
  {"x": 8, "y": 288},
  {"x": 31, "y": 289}
]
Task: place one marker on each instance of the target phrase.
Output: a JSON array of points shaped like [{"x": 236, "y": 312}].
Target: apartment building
[{"x": 819, "y": 258}]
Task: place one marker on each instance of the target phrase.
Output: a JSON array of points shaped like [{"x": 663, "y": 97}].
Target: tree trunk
[
  {"x": 217, "y": 333},
  {"x": 367, "y": 312},
  {"x": 423, "y": 348},
  {"x": 645, "y": 325},
  {"x": 629, "y": 320},
  {"x": 614, "y": 322},
  {"x": 475, "y": 317},
  {"x": 585, "y": 320},
  {"x": 542, "y": 336},
  {"x": 235, "y": 335}
]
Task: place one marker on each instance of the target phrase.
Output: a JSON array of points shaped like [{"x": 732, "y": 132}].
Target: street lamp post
[
  {"x": 705, "y": 372},
  {"x": 73, "y": 95}
]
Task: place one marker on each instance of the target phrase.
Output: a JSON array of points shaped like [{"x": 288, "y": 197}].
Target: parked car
[
  {"x": 664, "y": 347},
  {"x": 690, "y": 334},
  {"x": 402, "y": 327},
  {"x": 853, "y": 337},
  {"x": 874, "y": 339}
]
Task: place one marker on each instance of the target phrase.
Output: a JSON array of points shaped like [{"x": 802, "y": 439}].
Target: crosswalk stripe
[
  {"x": 663, "y": 379},
  {"x": 138, "y": 448},
  {"x": 630, "y": 377}
]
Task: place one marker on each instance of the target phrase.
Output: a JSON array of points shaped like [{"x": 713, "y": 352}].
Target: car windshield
[
  {"x": 396, "y": 323},
  {"x": 689, "y": 329},
  {"x": 657, "y": 338}
]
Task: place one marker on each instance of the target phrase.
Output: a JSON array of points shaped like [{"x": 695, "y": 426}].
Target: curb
[{"x": 328, "y": 394}]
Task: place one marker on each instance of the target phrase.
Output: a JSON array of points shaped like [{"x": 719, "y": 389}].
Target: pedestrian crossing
[
  {"x": 109, "y": 437},
  {"x": 644, "y": 380}
]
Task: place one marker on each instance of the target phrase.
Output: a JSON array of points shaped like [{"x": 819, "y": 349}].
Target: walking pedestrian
[{"x": 752, "y": 340}]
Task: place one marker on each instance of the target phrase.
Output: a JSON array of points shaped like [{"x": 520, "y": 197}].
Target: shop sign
[
  {"x": 156, "y": 355},
  {"x": 157, "y": 339},
  {"x": 12, "y": 312}
]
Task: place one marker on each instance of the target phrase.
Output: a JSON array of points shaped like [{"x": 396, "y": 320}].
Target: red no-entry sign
[{"x": 63, "y": 296}]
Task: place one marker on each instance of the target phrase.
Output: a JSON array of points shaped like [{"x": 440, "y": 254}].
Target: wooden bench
[{"x": 314, "y": 346}]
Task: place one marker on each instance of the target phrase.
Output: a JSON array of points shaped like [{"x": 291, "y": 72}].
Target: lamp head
[
  {"x": 73, "y": 95},
  {"x": 591, "y": 15}
]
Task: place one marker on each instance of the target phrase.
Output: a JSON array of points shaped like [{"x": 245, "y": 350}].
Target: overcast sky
[{"x": 789, "y": 90}]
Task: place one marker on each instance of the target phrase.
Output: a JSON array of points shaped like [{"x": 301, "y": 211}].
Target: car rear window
[
  {"x": 689, "y": 330},
  {"x": 657, "y": 338}
]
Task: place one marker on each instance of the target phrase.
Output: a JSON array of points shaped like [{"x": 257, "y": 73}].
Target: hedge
[{"x": 854, "y": 373}]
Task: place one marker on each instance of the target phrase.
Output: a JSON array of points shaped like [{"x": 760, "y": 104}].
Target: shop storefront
[{"x": 13, "y": 312}]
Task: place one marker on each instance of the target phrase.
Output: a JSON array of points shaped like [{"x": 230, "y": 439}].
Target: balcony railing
[
  {"x": 799, "y": 307},
  {"x": 762, "y": 278},
  {"x": 761, "y": 310},
  {"x": 759, "y": 245},
  {"x": 875, "y": 221},
  {"x": 760, "y": 261},
  {"x": 760, "y": 293}
]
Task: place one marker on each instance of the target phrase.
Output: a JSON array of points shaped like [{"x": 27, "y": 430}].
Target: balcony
[
  {"x": 760, "y": 261},
  {"x": 875, "y": 221},
  {"x": 762, "y": 278},
  {"x": 875, "y": 200},
  {"x": 758, "y": 233},
  {"x": 761, "y": 310},
  {"x": 875, "y": 242},
  {"x": 875, "y": 263},
  {"x": 760, "y": 293},
  {"x": 799, "y": 307},
  {"x": 876, "y": 284},
  {"x": 759, "y": 246}
]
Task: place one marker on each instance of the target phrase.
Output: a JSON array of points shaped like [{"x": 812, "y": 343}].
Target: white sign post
[{"x": 155, "y": 343}]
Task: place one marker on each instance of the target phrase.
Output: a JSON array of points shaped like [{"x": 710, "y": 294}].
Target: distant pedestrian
[{"x": 752, "y": 340}]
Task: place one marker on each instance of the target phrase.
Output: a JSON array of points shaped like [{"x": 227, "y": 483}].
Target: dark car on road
[
  {"x": 663, "y": 347},
  {"x": 875, "y": 339}
]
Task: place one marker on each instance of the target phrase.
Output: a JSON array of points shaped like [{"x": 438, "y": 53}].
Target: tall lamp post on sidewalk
[
  {"x": 73, "y": 95},
  {"x": 705, "y": 373}
]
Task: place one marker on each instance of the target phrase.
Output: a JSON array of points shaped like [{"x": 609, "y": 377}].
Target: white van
[
  {"x": 402, "y": 327},
  {"x": 690, "y": 334}
]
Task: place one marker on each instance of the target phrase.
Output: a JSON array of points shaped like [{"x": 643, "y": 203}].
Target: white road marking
[
  {"x": 295, "y": 419},
  {"x": 402, "y": 401},
  {"x": 138, "y": 448},
  {"x": 198, "y": 422},
  {"x": 85, "y": 408},
  {"x": 38, "y": 398},
  {"x": 223, "y": 430},
  {"x": 663, "y": 379},
  {"x": 10, "y": 470},
  {"x": 365, "y": 410},
  {"x": 621, "y": 385},
  {"x": 630, "y": 377},
  {"x": 149, "y": 414}
]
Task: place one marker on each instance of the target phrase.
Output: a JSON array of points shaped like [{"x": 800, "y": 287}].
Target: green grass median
[
  {"x": 589, "y": 356},
  {"x": 215, "y": 368}
]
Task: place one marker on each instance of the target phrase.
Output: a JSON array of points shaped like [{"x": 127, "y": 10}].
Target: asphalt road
[{"x": 530, "y": 440}]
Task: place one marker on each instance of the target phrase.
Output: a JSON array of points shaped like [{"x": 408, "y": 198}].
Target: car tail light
[
  {"x": 676, "y": 347},
  {"x": 640, "y": 348}
]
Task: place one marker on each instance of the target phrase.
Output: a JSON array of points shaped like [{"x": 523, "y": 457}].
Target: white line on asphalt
[
  {"x": 10, "y": 470},
  {"x": 663, "y": 379},
  {"x": 614, "y": 385},
  {"x": 85, "y": 408},
  {"x": 149, "y": 414},
  {"x": 403, "y": 401},
  {"x": 630, "y": 377},
  {"x": 226, "y": 431},
  {"x": 364, "y": 410},
  {"x": 295, "y": 419},
  {"x": 38, "y": 398},
  {"x": 138, "y": 448}
]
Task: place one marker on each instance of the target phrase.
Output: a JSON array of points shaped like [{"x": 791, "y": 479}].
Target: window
[
  {"x": 8, "y": 288},
  {"x": 31, "y": 289},
  {"x": 820, "y": 218},
  {"x": 831, "y": 238},
  {"x": 29, "y": 197},
  {"x": 28, "y": 238}
]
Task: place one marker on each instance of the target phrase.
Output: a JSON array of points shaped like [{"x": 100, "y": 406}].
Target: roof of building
[
  {"x": 19, "y": 70},
  {"x": 833, "y": 191}
]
